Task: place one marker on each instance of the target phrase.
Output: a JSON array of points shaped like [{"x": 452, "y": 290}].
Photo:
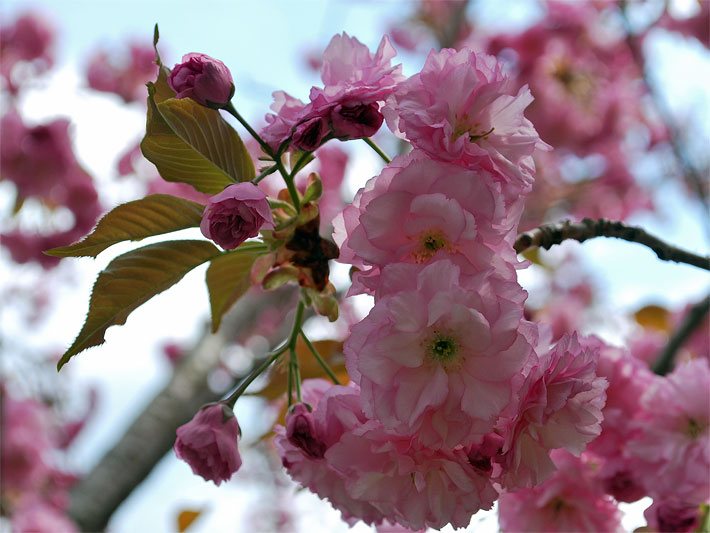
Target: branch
[
  {"x": 692, "y": 320},
  {"x": 152, "y": 434},
  {"x": 548, "y": 235}
]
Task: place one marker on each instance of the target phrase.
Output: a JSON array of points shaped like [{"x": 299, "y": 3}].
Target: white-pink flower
[
  {"x": 571, "y": 500},
  {"x": 462, "y": 108},
  {"x": 410, "y": 484},
  {"x": 435, "y": 358},
  {"x": 674, "y": 438},
  {"x": 559, "y": 406},
  {"x": 352, "y": 74},
  {"x": 419, "y": 210}
]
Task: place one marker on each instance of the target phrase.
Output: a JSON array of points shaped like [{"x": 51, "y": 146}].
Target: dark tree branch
[
  {"x": 693, "y": 319},
  {"x": 152, "y": 434},
  {"x": 548, "y": 235}
]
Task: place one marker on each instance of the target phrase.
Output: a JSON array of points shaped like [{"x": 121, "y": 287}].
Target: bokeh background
[{"x": 271, "y": 46}]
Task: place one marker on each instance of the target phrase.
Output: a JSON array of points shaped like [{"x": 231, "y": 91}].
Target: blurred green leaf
[{"x": 228, "y": 278}]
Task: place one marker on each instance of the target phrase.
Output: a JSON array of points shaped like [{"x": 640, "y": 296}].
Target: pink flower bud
[
  {"x": 301, "y": 431},
  {"x": 208, "y": 443},
  {"x": 204, "y": 79},
  {"x": 235, "y": 215},
  {"x": 310, "y": 133},
  {"x": 356, "y": 121}
]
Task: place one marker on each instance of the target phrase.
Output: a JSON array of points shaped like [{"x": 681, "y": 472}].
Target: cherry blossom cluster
[{"x": 454, "y": 396}]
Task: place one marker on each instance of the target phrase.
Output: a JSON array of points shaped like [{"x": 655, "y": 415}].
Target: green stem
[
  {"x": 294, "y": 370},
  {"x": 229, "y": 108},
  {"x": 306, "y": 158},
  {"x": 270, "y": 358},
  {"x": 264, "y": 173},
  {"x": 324, "y": 365},
  {"x": 377, "y": 149}
]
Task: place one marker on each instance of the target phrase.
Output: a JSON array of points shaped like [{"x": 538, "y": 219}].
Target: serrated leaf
[
  {"x": 153, "y": 215},
  {"x": 190, "y": 143},
  {"x": 132, "y": 279},
  {"x": 228, "y": 278}
]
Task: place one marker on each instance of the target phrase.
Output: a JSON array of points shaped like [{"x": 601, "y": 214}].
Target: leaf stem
[
  {"x": 377, "y": 149},
  {"x": 294, "y": 370},
  {"x": 229, "y": 108},
  {"x": 264, "y": 173},
  {"x": 270, "y": 358},
  {"x": 324, "y": 365}
]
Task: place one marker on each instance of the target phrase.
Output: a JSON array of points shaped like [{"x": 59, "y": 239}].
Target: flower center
[
  {"x": 475, "y": 131},
  {"x": 694, "y": 429},
  {"x": 442, "y": 348},
  {"x": 578, "y": 84},
  {"x": 430, "y": 242},
  {"x": 557, "y": 505}
]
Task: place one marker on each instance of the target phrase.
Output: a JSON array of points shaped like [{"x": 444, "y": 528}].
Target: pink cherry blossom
[
  {"x": 352, "y": 74},
  {"x": 673, "y": 442},
  {"x": 208, "y": 443},
  {"x": 26, "y": 441},
  {"x": 204, "y": 79},
  {"x": 435, "y": 358},
  {"x": 419, "y": 210},
  {"x": 36, "y": 516},
  {"x": 628, "y": 379},
  {"x": 571, "y": 500},
  {"x": 235, "y": 215},
  {"x": 673, "y": 515},
  {"x": 288, "y": 111},
  {"x": 346, "y": 107},
  {"x": 335, "y": 411},
  {"x": 410, "y": 484},
  {"x": 124, "y": 75},
  {"x": 559, "y": 406},
  {"x": 462, "y": 108}
]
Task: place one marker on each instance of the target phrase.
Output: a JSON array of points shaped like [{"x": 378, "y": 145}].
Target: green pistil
[
  {"x": 442, "y": 348},
  {"x": 430, "y": 242},
  {"x": 694, "y": 429}
]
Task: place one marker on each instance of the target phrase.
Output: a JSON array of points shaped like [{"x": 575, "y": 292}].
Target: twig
[
  {"x": 693, "y": 319},
  {"x": 548, "y": 235}
]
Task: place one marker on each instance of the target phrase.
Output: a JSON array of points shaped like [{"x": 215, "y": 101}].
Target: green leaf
[
  {"x": 132, "y": 279},
  {"x": 190, "y": 143},
  {"x": 228, "y": 278},
  {"x": 153, "y": 215}
]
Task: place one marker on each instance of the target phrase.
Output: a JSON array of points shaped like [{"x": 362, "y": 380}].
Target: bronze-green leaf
[
  {"x": 193, "y": 144},
  {"x": 153, "y": 215},
  {"x": 228, "y": 278},
  {"x": 132, "y": 279}
]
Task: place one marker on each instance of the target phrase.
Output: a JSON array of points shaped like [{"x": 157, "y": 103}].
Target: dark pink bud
[
  {"x": 356, "y": 121},
  {"x": 235, "y": 215},
  {"x": 208, "y": 443},
  {"x": 310, "y": 133},
  {"x": 301, "y": 431},
  {"x": 204, "y": 79}
]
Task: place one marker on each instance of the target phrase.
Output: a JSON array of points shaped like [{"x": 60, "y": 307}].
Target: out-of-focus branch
[
  {"x": 693, "y": 319},
  {"x": 152, "y": 433},
  {"x": 548, "y": 235},
  {"x": 691, "y": 175}
]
